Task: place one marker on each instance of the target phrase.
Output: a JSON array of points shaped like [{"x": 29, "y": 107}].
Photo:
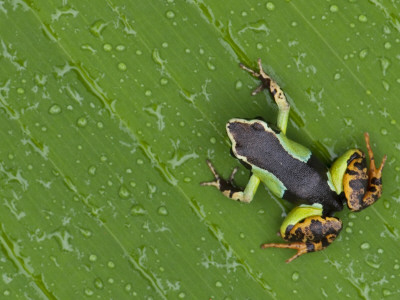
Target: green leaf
[{"x": 109, "y": 110}]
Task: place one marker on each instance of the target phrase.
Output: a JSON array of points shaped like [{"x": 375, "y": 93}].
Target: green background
[{"x": 109, "y": 109}]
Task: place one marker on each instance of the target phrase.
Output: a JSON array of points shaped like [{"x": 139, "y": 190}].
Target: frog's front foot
[
  {"x": 227, "y": 187},
  {"x": 265, "y": 79}
]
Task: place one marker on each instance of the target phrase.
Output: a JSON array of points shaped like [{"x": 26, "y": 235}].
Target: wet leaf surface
[{"x": 110, "y": 109}]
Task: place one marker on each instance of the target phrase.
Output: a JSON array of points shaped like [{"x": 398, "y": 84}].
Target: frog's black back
[{"x": 305, "y": 182}]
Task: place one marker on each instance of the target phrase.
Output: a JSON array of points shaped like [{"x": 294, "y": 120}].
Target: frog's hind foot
[
  {"x": 363, "y": 189},
  {"x": 300, "y": 247}
]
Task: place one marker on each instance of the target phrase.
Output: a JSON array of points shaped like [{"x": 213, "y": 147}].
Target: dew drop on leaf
[
  {"x": 54, "y": 109},
  {"x": 162, "y": 211},
  {"x": 123, "y": 192},
  {"x": 270, "y": 6},
  {"x": 138, "y": 210},
  {"x": 98, "y": 283},
  {"x": 107, "y": 47},
  {"x": 122, "y": 66}
]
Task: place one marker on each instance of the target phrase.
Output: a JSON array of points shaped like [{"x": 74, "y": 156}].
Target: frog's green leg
[
  {"x": 349, "y": 174},
  {"x": 312, "y": 234},
  {"x": 276, "y": 91},
  {"x": 359, "y": 195},
  {"x": 228, "y": 188}
]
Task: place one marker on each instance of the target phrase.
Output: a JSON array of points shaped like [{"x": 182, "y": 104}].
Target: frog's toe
[{"x": 300, "y": 247}]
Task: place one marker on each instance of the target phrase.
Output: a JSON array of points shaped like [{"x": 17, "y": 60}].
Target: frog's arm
[
  {"x": 228, "y": 188},
  {"x": 276, "y": 92}
]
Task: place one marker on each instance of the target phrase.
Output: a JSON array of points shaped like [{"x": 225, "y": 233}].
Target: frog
[{"x": 292, "y": 172}]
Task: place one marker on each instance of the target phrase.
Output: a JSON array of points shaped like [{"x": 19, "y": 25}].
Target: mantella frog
[{"x": 292, "y": 172}]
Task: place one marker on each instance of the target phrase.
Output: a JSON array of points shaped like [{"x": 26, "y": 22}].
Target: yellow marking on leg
[{"x": 275, "y": 90}]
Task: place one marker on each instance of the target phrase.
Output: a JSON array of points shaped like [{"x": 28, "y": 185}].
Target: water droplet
[
  {"x": 270, "y": 6},
  {"x": 162, "y": 211},
  {"x": 386, "y": 204},
  {"x": 337, "y": 76},
  {"x": 92, "y": 170},
  {"x": 295, "y": 276},
  {"x": 97, "y": 28},
  {"x": 218, "y": 284},
  {"x": 259, "y": 46},
  {"x": 238, "y": 85},
  {"x": 98, "y": 283},
  {"x": 349, "y": 230},
  {"x": 362, "y": 18},
  {"x": 55, "y": 109},
  {"x": 396, "y": 267},
  {"x": 242, "y": 235},
  {"x": 170, "y": 14},
  {"x": 123, "y": 192},
  {"x": 384, "y": 131},
  {"x": 111, "y": 264},
  {"x": 213, "y": 140},
  {"x": 163, "y": 81},
  {"x": 81, "y": 122},
  {"x": 386, "y": 85},
  {"x": 181, "y": 295},
  {"x": 386, "y": 292},
  {"x": 128, "y": 287},
  {"x": 120, "y": 48},
  {"x": 164, "y": 45},
  {"x": 365, "y": 246},
  {"x": 103, "y": 158},
  {"x": 139, "y": 161},
  {"x": 122, "y": 66},
  {"x": 385, "y": 64},
  {"x": 363, "y": 53},
  {"x": 107, "y": 47},
  {"x": 348, "y": 121},
  {"x": 388, "y": 45},
  {"x": 333, "y": 8},
  {"x": 138, "y": 210},
  {"x": 93, "y": 257},
  {"x": 210, "y": 66},
  {"x": 187, "y": 179},
  {"x": 139, "y": 52},
  {"x": 88, "y": 292},
  {"x": 20, "y": 91},
  {"x": 148, "y": 93}
]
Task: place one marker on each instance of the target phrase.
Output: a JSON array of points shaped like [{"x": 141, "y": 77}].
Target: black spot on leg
[
  {"x": 310, "y": 247},
  {"x": 316, "y": 228},
  {"x": 376, "y": 181},
  {"x": 357, "y": 184},
  {"x": 325, "y": 242},
  {"x": 351, "y": 172},
  {"x": 352, "y": 157}
]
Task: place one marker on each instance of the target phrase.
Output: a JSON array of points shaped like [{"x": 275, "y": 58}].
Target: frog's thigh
[
  {"x": 317, "y": 232},
  {"x": 350, "y": 161}
]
